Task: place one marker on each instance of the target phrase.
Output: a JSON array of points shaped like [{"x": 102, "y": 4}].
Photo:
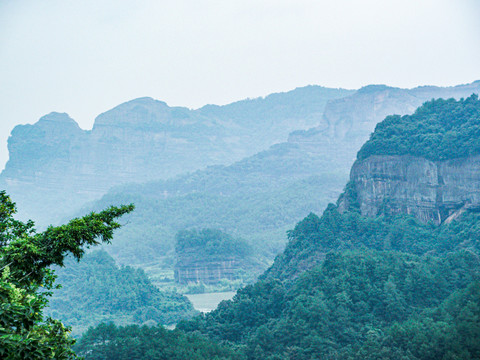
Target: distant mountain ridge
[{"x": 55, "y": 166}]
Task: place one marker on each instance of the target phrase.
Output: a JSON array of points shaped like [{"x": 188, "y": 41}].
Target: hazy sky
[{"x": 85, "y": 57}]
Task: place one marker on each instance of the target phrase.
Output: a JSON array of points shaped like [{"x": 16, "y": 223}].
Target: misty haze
[{"x": 240, "y": 180}]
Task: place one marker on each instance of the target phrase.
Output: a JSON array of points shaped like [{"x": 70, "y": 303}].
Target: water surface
[{"x": 209, "y": 301}]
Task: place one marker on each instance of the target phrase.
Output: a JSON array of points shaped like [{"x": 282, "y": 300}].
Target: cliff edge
[{"x": 426, "y": 164}]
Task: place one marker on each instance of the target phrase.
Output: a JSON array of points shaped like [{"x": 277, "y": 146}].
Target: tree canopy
[
  {"x": 26, "y": 279},
  {"x": 350, "y": 287},
  {"x": 438, "y": 130},
  {"x": 96, "y": 290},
  {"x": 211, "y": 244}
]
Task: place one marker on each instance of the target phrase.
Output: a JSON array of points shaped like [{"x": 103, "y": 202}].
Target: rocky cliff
[
  {"x": 348, "y": 122},
  {"x": 249, "y": 197},
  {"x": 426, "y": 164},
  {"x": 207, "y": 272},
  {"x": 430, "y": 190}
]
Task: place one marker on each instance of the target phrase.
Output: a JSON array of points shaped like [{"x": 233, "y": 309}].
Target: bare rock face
[
  {"x": 429, "y": 190},
  {"x": 348, "y": 121},
  {"x": 207, "y": 272}
]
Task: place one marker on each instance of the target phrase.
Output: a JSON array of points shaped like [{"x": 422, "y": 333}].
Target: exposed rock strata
[
  {"x": 55, "y": 166},
  {"x": 207, "y": 272},
  {"x": 429, "y": 190}
]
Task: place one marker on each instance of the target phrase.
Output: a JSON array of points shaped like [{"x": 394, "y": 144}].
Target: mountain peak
[
  {"x": 374, "y": 88},
  {"x": 144, "y": 109},
  {"x": 57, "y": 118}
]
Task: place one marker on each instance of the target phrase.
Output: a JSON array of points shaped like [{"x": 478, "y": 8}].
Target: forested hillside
[
  {"x": 258, "y": 199},
  {"x": 349, "y": 286},
  {"x": 96, "y": 290},
  {"x": 109, "y": 342},
  {"x": 344, "y": 280},
  {"x": 210, "y": 256},
  {"x": 439, "y": 130}
]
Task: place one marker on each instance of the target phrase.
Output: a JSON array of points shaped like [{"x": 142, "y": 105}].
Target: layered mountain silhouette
[
  {"x": 55, "y": 167},
  {"x": 262, "y": 196}
]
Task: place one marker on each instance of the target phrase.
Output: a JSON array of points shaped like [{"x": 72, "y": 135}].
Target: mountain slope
[
  {"x": 262, "y": 196},
  {"x": 54, "y": 165},
  {"x": 96, "y": 290},
  {"x": 350, "y": 286},
  {"x": 426, "y": 164},
  {"x": 51, "y": 172}
]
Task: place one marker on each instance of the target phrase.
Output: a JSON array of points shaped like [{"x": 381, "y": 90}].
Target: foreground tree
[{"x": 26, "y": 279}]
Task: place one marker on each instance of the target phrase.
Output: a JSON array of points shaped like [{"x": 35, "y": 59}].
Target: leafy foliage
[
  {"x": 449, "y": 331},
  {"x": 26, "y": 278},
  {"x": 438, "y": 130},
  {"x": 258, "y": 199},
  {"x": 315, "y": 236}
]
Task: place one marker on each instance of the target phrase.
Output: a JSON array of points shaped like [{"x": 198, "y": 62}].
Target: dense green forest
[
  {"x": 228, "y": 261},
  {"x": 345, "y": 287},
  {"x": 354, "y": 287},
  {"x": 27, "y": 279},
  {"x": 109, "y": 342},
  {"x": 210, "y": 244},
  {"x": 322, "y": 299},
  {"x": 246, "y": 200},
  {"x": 438, "y": 130},
  {"x": 315, "y": 236},
  {"x": 96, "y": 290}
]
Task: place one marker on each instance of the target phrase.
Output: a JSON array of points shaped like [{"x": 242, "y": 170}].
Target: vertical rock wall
[{"x": 429, "y": 190}]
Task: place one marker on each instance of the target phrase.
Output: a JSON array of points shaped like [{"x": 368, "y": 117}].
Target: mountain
[
  {"x": 258, "y": 199},
  {"x": 367, "y": 285},
  {"x": 262, "y": 196},
  {"x": 54, "y": 166},
  {"x": 348, "y": 122},
  {"x": 426, "y": 164},
  {"x": 209, "y": 256},
  {"x": 351, "y": 285}
]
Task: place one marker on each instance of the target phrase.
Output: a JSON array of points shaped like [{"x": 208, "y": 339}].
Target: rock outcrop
[
  {"x": 207, "y": 272},
  {"x": 429, "y": 190},
  {"x": 348, "y": 121}
]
